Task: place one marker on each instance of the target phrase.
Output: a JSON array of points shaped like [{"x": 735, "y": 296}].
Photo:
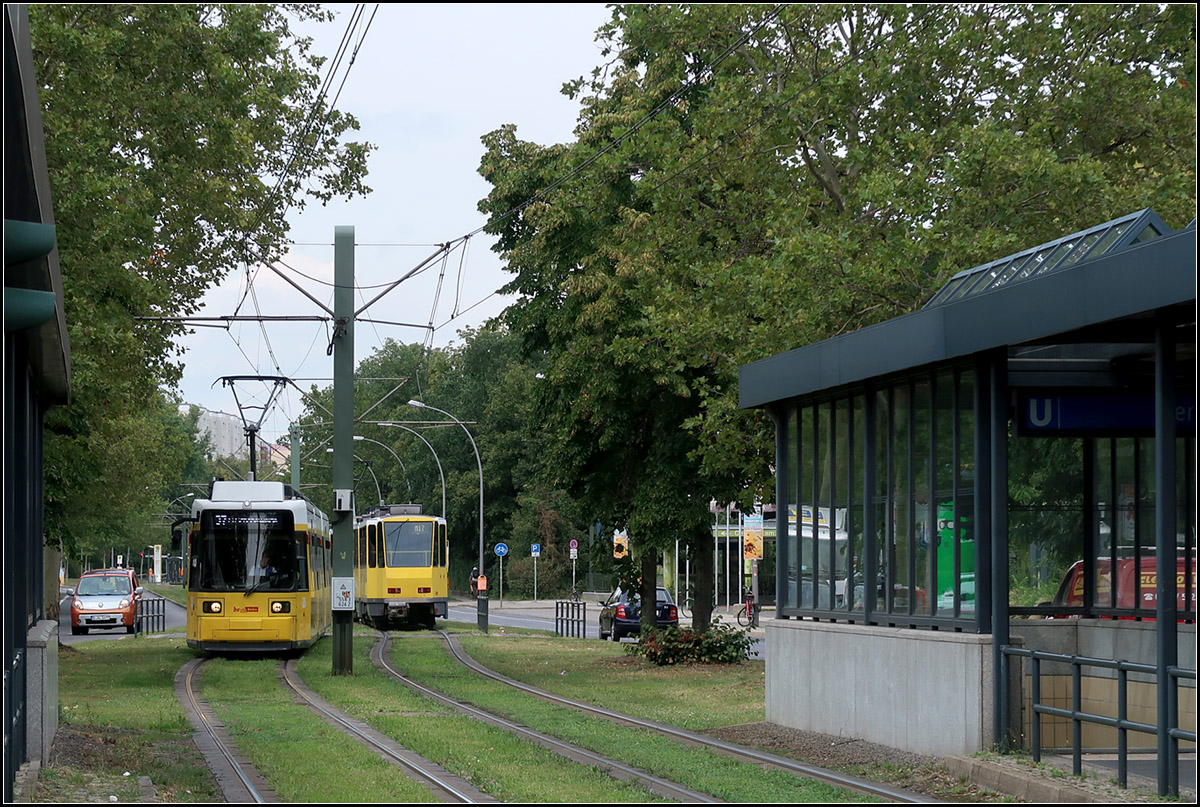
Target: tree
[
  {"x": 177, "y": 137},
  {"x": 750, "y": 179}
]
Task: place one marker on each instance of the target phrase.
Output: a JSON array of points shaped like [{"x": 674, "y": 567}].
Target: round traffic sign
[
  {"x": 574, "y": 543},
  {"x": 501, "y": 549}
]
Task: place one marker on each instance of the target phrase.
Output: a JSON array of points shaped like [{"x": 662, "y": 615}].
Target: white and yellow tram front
[{"x": 257, "y": 570}]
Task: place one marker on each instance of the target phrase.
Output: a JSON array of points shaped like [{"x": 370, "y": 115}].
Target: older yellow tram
[
  {"x": 400, "y": 567},
  {"x": 258, "y": 569}
]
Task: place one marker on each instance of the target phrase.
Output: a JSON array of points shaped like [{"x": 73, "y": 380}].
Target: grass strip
[
  {"x": 697, "y": 697},
  {"x": 304, "y": 758},
  {"x": 494, "y": 760},
  {"x": 119, "y": 720},
  {"x": 423, "y": 657}
]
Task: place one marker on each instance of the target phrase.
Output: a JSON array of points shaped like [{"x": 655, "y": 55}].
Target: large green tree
[
  {"x": 750, "y": 179},
  {"x": 177, "y": 138}
]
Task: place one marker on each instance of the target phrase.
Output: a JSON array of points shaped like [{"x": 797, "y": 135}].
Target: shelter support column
[
  {"x": 1164, "y": 540},
  {"x": 783, "y": 475},
  {"x": 997, "y": 537}
]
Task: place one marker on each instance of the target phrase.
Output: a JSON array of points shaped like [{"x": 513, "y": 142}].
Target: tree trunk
[
  {"x": 649, "y": 572},
  {"x": 704, "y": 581}
]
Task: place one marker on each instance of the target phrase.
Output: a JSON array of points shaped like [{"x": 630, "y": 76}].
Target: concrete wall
[
  {"x": 41, "y": 690},
  {"x": 919, "y": 690},
  {"x": 931, "y": 691}
]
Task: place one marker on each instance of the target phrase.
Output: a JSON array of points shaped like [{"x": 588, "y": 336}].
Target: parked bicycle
[{"x": 747, "y": 615}]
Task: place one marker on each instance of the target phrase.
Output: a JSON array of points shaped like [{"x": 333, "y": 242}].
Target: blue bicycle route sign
[{"x": 501, "y": 549}]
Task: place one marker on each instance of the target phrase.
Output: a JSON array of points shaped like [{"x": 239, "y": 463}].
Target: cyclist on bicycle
[{"x": 474, "y": 582}]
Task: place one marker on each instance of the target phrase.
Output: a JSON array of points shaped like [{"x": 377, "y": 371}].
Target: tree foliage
[
  {"x": 177, "y": 137},
  {"x": 749, "y": 179}
]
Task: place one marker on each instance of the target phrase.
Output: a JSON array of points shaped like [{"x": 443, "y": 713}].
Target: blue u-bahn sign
[{"x": 1097, "y": 414}]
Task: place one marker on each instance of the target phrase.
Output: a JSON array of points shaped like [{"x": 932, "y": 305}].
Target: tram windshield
[
  {"x": 247, "y": 550},
  {"x": 408, "y": 544}
]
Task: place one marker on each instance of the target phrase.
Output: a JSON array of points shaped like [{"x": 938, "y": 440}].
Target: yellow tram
[
  {"x": 258, "y": 569},
  {"x": 400, "y": 567}
]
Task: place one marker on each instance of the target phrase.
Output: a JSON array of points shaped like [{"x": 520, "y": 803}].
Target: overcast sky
[{"x": 427, "y": 83}]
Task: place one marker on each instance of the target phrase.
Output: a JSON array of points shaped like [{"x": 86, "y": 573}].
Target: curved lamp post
[
  {"x": 478, "y": 462},
  {"x": 378, "y": 490},
  {"x": 178, "y": 499},
  {"x": 393, "y": 453},
  {"x": 435, "y": 458}
]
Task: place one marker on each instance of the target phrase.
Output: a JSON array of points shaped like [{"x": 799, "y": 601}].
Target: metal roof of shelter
[
  {"x": 1062, "y": 253},
  {"x": 1066, "y": 293}
]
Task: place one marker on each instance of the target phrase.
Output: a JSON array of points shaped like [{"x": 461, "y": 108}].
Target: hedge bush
[{"x": 720, "y": 644}]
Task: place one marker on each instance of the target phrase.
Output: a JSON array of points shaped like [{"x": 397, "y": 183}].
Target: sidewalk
[{"x": 593, "y": 600}]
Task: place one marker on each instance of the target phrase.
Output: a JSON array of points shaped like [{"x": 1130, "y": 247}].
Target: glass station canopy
[{"x": 1094, "y": 242}]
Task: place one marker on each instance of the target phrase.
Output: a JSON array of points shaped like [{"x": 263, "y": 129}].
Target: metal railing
[
  {"x": 570, "y": 618},
  {"x": 1121, "y": 722},
  {"x": 151, "y": 615}
]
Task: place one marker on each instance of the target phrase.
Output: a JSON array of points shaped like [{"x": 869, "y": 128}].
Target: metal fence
[
  {"x": 570, "y": 618},
  {"x": 151, "y": 615},
  {"x": 1121, "y": 723}
]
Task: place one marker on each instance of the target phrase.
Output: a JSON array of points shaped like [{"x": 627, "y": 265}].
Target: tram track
[
  {"x": 240, "y": 782},
  {"x": 761, "y": 758},
  {"x": 575, "y": 753},
  {"x": 442, "y": 783},
  {"x": 235, "y": 775}
]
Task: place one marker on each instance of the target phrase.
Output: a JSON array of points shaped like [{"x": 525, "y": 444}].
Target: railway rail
[
  {"x": 618, "y": 770},
  {"x": 237, "y": 778},
  {"x": 441, "y": 782},
  {"x": 241, "y": 783},
  {"x": 762, "y": 758}
]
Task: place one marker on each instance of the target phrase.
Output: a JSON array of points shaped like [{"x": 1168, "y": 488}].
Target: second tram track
[
  {"x": 761, "y": 758},
  {"x": 617, "y": 770}
]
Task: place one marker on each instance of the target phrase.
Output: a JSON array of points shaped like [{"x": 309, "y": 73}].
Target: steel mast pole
[{"x": 343, "y": 449}]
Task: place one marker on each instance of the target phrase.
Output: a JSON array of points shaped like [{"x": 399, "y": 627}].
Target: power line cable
[{"x": 310, "y": 120}]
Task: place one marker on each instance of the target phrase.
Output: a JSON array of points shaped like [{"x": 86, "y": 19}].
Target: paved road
[{"x": 540, "y": 615}]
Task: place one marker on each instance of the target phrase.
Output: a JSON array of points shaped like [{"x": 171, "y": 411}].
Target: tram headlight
[
  {"x": 281, "y": 607},
  {"x": 211, "y": 607}
]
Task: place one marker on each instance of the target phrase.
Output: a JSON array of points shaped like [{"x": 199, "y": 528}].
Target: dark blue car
[{"x": 621, "y": 613}]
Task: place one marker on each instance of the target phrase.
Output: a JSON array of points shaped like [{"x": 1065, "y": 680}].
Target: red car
[
  {"x": 1137, "y": 585},
  {"x": 105, "y": 598}
]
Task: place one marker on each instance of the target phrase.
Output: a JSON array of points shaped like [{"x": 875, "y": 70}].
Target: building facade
[{"x": 37, "y": 364}]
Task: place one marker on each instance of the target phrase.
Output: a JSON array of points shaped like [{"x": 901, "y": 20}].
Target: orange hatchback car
[{"x": 105, "y": 598}]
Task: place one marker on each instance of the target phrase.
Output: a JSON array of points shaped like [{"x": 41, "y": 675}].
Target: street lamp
[
  {"x": 393, "y": 453},
  {"x": 179, "y": 499},
  {"x": 378, "y": 490},
  {"x": 478, "y": 462},
  {"x": 435, "y": 458}
]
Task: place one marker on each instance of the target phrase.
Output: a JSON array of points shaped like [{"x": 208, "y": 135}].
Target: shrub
[{"x": 720, "y": 644}]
